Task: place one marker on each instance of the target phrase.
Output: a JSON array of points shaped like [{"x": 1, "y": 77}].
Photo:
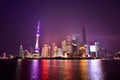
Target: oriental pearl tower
[{"x": 37, "y": 38}]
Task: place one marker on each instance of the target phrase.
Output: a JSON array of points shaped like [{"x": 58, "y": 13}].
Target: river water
[{"x": 59, "y": 69}]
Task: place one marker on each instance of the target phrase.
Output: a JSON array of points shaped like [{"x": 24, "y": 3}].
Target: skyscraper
[
  {"x": 64, "y": 47},
  {"x": 37, "y": 38},
  {"x": 83, "y": 35},
  {"x": 75, "y": 44}
]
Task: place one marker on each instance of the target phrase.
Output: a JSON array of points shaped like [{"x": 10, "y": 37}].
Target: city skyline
[{"x": 58, "y": 20}]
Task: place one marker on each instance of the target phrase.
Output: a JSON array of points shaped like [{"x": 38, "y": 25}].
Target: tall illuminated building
[
  {"x": 21, "y": 52},
  {"x": 45, "y": 51},
  {"x": 64, "y": 47},
  {"x": 54, "y": 50},
  {"x": 37, "y": 38},
  {"x": 69, "y": 46},
  {"x": 82, "y": 50},
  {"x": 75, "y": 44}
]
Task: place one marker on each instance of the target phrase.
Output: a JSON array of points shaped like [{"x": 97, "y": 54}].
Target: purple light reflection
[
  {"x": 95, "y": 71},
  {"x": 35, "y": 70}
]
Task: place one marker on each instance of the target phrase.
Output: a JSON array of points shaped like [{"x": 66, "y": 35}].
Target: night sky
[{"x": 58, "y": 19}]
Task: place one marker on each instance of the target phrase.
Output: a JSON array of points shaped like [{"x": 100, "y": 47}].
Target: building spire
[
  {"x": 83, "y": 35},
  {"x": 38, "y": 27}
]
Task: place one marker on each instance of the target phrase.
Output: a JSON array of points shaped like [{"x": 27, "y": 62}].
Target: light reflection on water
[
  {"x": 59, "y": 70},
  {"x": 18, "y": 70},
  {"x": 35, "y": 70},
  {"x": 44, "y": 70},
  {"x": 83, "y": 69},
  {"x": 95, "y": 71},
  {"x": 68, "y": 70}
]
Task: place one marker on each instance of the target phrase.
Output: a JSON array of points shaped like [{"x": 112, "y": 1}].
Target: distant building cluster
[
  {"x": 4, "y": 56},
  {"x": 69, "y": 49}
]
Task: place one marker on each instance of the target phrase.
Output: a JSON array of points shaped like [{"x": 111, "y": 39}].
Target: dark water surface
[{"x": 59, "y": 69}]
